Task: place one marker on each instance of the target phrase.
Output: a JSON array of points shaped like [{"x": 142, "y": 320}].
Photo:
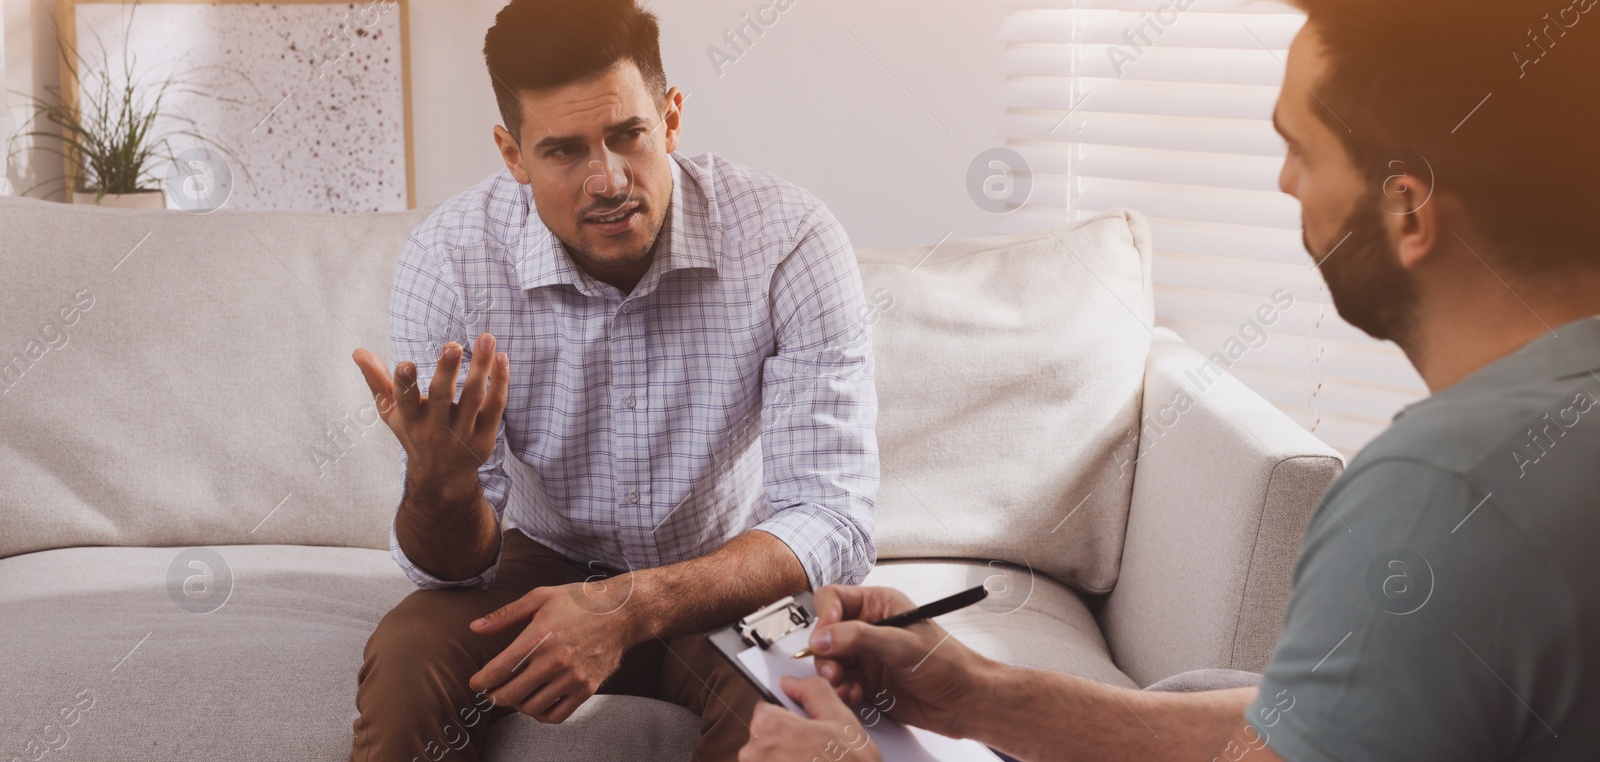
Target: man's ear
[
  {"x": 511, "y": 153},
  {"x": 1404, "y": 189},
  {"x": 1418, "y": 233},
  {"x": 672, "y": 118}
]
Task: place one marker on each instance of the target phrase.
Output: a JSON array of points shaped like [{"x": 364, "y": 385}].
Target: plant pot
[{"x": 143, "y": 199}]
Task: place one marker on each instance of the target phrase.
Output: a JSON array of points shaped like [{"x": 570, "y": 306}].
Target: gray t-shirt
[{"x": 1446, "y": 602}]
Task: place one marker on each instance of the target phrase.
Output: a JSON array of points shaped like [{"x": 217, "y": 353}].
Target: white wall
[
  {"x": 452, "y": 108},
  {"x": 807, "y": 101}
]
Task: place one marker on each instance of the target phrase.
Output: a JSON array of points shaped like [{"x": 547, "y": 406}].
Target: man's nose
[{"x": 608, "y": 175}]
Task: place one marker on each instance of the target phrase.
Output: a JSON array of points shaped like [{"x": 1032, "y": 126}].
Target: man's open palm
[{"x": 442, "y": 437}]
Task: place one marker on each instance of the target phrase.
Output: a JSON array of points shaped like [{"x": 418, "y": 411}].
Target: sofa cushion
[
  {"x": 1009, "y": 372},
  {"x": 177, "y": 379},
  {"x": 264, "y": 654},
  {"x": 100, "y": 654},
  {"x": 1028, "y": 619},
  {"x": 1202, "y": 680}
]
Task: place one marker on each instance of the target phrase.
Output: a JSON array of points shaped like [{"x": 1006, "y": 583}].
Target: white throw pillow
[
  {"x": 1009, "y": 375},
  {"x": 180, "y": 379}
]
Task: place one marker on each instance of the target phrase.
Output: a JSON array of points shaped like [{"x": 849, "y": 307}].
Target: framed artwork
[{"x": 310, "y": 100}]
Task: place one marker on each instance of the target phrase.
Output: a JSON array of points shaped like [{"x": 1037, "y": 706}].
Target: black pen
[{"x": 940, "y": 607}]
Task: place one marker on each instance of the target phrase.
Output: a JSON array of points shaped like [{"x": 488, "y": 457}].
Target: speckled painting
[{"x": 309, "y": 98}]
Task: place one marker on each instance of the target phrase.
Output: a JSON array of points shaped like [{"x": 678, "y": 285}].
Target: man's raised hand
[{"x": 442, "y": 437}]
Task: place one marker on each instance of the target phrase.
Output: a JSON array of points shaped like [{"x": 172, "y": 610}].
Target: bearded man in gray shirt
[{"x": 1446, "y": 603}]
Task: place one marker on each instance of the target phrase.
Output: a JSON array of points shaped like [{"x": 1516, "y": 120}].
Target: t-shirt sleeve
[{"x": 1422, "y": 625}]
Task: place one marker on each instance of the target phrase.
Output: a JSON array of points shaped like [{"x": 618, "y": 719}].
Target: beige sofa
[{"x": 197, "y": 491}]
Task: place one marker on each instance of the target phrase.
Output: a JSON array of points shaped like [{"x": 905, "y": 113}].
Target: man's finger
[
  {"x": 766, "y": 719},
  {"x": 516, "y": 612},
  {"x": 515, "y": 673},
  {"x": 483, "y": 355},
  {"x": 561, "y": 710},
  {"x": 843, "y": 602},
  {"x": 816, "y": 696},
  {"x": 407, "y": 396},
  {"x": 442, "y": 390},
  {"x": 836, "y": 603},
  {"x": 845, "y": 676},
  {"x": 373, "y": 371},
  {"x": 541, "y": 702},
  {"x": 378, "y": 380},
  {"x": 894, "y": 646},
  {"x": 564, "y": 707},
  {"x": 852, "y": 693},
  {"x": 519, "y": 674},
  {"x": 494, "y": 405}
]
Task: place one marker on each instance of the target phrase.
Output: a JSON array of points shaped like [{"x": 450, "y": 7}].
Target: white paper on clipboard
[{"x": 896, "y": 742}]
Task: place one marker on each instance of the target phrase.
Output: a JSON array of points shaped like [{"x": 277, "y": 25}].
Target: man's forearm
[
  {"x": 447, "y": 529},
  {"x": 746, "y": 573},
  {"x": 1038, "y": 715}
]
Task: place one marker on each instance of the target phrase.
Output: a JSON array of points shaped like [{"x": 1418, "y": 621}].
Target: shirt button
[
  {"x": 630, "y": 402},
  {"x": 633, "y": 496}
]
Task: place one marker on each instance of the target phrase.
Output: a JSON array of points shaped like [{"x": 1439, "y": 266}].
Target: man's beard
[
  {"x": 654, "y": 237},
  {"x": 1370, "y": 289},
  {"x": 588, "y": 254}
]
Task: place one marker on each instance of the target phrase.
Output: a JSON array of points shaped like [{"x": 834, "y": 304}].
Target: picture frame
[{"x": 324, "y": 78}]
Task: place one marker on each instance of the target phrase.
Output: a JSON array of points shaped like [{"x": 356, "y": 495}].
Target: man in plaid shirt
[{"x": 676, "y": 348}]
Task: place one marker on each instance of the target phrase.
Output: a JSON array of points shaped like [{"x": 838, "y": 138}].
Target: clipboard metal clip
[{"x": 770, "y": 624}]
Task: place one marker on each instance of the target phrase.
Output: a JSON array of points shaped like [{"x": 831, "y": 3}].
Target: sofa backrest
[
  {"x": 1010, "y": 372},
  {"x": 177, "y": 379}
]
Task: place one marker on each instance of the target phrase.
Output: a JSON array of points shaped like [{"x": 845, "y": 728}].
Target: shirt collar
[
  {"x": 1568, "y": 350},
  {"x": 685, "y": 240}
]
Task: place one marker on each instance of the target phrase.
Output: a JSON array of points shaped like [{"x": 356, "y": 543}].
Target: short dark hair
[
  {"x": 1408, "y": 76},
  {"x": 536, "y": 44}
]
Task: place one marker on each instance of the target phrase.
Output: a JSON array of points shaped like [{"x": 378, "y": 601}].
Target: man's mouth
[{"x": 616, "y": 221}]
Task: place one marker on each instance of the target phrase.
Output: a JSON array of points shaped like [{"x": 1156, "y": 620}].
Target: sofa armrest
[{"x": 1223, "y": 487}]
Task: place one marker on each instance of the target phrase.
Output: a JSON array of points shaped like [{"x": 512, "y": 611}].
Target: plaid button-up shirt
[{"x": 731, "y": 390}]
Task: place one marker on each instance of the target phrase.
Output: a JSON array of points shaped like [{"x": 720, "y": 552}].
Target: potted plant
[{"x": 111, "y": 154}]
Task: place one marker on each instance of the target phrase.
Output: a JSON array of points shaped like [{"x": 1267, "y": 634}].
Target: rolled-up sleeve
[
  {"x": 819, "y": 409},
  {"x": 425, "y": 313}
]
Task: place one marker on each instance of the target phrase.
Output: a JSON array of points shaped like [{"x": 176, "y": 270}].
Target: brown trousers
[{"x": 412, "y": 692}]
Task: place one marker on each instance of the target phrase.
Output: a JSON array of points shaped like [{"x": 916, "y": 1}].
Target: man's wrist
[
  {"x": 457, "y": 489},
  {"x": 991, "y": 686},
  {"x": 643, "y": 620},
  {"x": 695, "y": 596}
]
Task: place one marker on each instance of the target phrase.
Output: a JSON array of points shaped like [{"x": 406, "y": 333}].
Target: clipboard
[
  {"x": 761, "y": 647},
  {"x": 762, "y": 630}
]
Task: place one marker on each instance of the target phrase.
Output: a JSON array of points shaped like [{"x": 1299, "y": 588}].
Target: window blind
[{"x": 1165, "y": 106}]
